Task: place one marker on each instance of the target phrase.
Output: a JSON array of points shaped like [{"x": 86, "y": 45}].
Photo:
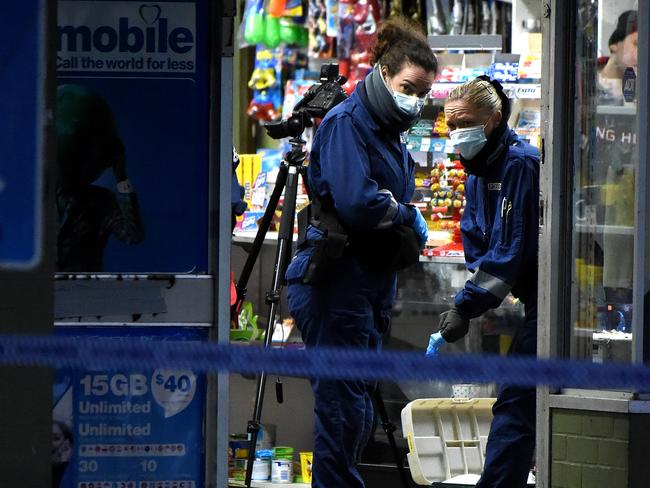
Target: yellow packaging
[
  {"x": 305, "y": 466},
  {"x": 249, "y": 167},
  {"x": 505, "y": 341},
  {"x": 587, "y": 274}
]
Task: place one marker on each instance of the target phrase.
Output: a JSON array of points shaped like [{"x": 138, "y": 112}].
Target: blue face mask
[
  {"x": 469, "y": 140},
  {"x": 409, "y": 104}
]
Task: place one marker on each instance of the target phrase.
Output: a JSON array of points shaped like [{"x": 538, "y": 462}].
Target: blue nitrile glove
[
  {"x": 436, "y": 341},
  {"x": 419, "y": 225}
]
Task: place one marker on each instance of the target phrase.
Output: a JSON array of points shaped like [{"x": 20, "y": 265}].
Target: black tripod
[
  {"x": 287, "y": 181},
  {"x": 389, "y": 429}
]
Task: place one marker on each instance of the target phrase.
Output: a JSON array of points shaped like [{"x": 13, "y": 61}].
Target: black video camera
[{"x": 319, "y": 99}]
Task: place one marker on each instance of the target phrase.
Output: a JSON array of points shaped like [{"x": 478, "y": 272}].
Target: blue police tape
[{"x": 133, "y": 354}]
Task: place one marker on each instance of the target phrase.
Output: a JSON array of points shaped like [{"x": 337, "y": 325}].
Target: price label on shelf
[
  {"x": 523, "y": 90},
  {"x": 442, "y": 90}
]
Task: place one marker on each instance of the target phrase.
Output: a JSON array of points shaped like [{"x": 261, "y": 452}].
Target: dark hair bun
[
  {"x": 627, "y": 24},
  {"x": 400, "y": 40}
]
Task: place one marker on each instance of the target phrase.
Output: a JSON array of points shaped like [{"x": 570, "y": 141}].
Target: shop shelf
[
  {"x": 240, "y": 237},
  {"x": 442, "y": 260},
  {"x": 470, "y": 42},
  {"x": 249, "y": 237},
  {"x": 430, "y": 144},
  {"x": 615, "y": 110},
  {"x": 622, "y": 230},
  {"x": 531, "y": 91},
  {"x": 266, "y": 484}
]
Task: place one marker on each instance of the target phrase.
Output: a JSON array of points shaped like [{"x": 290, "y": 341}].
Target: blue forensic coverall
[
  {"x": 369, "y": 175},
  {"x": 500, "y": 238}
]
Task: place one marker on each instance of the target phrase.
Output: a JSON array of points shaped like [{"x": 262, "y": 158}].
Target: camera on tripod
[{"x": 318, "y": 100}]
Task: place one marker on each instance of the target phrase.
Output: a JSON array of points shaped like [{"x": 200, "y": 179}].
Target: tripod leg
[
  {"x": 264, "y": 225},
  {"x": 302, "y": 170},
  {"x": 389, "y": 429},
  {"x": 285, "y": 239}
]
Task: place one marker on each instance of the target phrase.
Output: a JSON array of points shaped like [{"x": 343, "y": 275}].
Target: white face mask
[
  {"x": 469, "y": 140},
  {"x": 409, "y": 104}
]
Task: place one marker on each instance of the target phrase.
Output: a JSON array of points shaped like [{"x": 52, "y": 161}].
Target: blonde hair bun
[{"x": 480, "y": 93}]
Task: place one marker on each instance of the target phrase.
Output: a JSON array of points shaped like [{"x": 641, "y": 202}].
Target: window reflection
[
  {"x": 605, "y": 158},
  {"x": 622, "y": 45}
]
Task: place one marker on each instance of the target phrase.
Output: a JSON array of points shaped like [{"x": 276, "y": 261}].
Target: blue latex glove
[
  {"x": 436, "y": 341},
  {"x": 419, "y": 225}
]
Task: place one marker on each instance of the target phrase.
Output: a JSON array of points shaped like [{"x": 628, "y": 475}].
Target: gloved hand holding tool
[{"x": 453, "y": 326}]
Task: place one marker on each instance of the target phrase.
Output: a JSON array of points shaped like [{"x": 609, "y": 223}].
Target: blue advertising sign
[
  {"x": 132, "y": 136},
  {"x": 129, "y": 429},
  {"x": 21, "y": 133}
]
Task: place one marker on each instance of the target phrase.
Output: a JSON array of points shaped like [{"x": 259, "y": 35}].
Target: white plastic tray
[{"x": 446, "y": 437}]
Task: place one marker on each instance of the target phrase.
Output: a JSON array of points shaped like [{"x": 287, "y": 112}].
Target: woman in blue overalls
[
  {"x": 360, "y": 167},
  {"x": 500, "y": 230}
]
